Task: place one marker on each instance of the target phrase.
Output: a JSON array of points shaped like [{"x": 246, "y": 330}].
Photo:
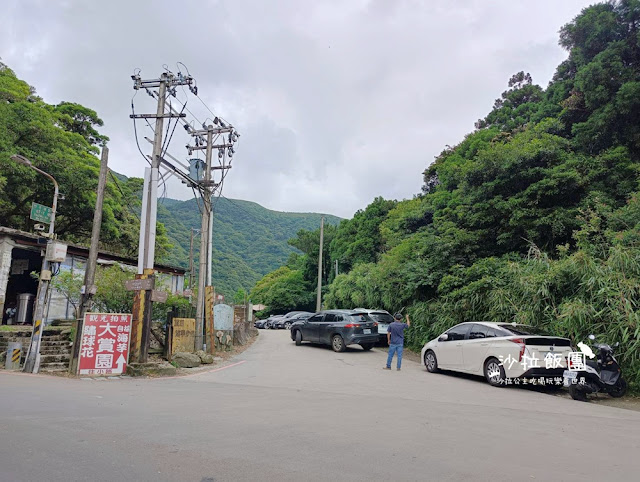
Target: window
[
  {"x": 381, "y": 317},
  {"x": 316, "y": 318},
  {"x": 478, "y": 331},
  {"x": 330, "y": 317},
  {"x": 359, "y": 318},
  {"x": 458, "y": 332},
  {"x": 495, "y": 331}
]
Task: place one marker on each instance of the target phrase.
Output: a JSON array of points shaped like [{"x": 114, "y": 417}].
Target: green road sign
[{"x": 40, "y": 213}]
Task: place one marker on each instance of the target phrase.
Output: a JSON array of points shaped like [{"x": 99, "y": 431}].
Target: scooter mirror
[{"x": 592, "y": 337}]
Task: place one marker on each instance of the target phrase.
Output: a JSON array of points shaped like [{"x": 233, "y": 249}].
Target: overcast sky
[{"x": 337, "y": 102}]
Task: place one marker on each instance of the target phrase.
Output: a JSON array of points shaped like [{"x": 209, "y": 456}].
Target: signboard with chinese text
[
  {"x": 41, "y": 213},
  {"x": 139, "y": 284},
  {"x": 183, "y": 335},
  {"x": 104, "y": 348}
]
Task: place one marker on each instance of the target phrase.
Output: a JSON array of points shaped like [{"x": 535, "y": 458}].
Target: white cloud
[{"x": 337, "y": 101}]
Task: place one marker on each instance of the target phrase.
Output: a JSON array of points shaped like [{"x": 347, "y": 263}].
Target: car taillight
[
  {"x": 352, "y": 325},
  {"x": 375, "y": 324},
  {"x": 519, "y": 341}
]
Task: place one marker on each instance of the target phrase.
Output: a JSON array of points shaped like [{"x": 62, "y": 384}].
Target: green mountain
[{"x": 249, "y": 240}]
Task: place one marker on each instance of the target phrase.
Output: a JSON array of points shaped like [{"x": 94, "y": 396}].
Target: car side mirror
[
  {"x": 592, "y": 337},
  {"x": 444, "y": 337}
]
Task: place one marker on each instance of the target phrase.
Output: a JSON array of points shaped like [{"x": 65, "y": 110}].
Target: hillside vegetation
[
  {"x": 534, "y": 217},
  {"x": 249, "y": 240}
]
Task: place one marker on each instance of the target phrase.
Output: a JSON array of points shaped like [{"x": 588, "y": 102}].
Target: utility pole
[
  {"x": 204, "y": 242},
  {"x": 32, "y": 361},
  {"x": 336, "y": 267},
  {"x": 141, "y": 328},
  {"x": 191, "y": 266},
  {"x": 89, "y": 288},
  {"x": 205, "y": 141},
  {"x": 319, "y": 297}
]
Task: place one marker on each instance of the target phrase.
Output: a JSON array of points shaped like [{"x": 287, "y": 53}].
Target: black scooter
[{"x": 600, "y": 375}]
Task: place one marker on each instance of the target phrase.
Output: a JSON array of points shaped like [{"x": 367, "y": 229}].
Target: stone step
[
  {"x": 57, "y": 358},
  {"x": 46, "y": 342},
  {"x": 55, "y": 338},
  {"x": 54, "y": 367},
  {"x": 55, "y": 351}
]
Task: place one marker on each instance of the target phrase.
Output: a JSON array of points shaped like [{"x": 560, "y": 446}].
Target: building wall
[{"x": 59, "y": 306}]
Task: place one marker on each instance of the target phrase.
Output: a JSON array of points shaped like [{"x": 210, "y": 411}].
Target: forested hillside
[
  {"x": 248, "y": 240},
  {"x": 534, "y": 217}
]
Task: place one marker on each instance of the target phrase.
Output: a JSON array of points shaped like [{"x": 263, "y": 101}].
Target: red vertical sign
[{"x": 104, "y": 348}]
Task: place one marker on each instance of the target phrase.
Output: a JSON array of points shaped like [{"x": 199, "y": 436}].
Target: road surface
[{"x": 281, "y": 412}]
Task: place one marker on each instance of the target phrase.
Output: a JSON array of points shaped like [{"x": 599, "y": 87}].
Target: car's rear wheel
[
  {"x": 430, "y": 361},
  {"x": 298, "y": 338},
  {"x": 367, "y": 346},
  {"x": 337, "y": 343},
  {"x": 287, "y": 325},
  {"x": 494, "y": 372}
]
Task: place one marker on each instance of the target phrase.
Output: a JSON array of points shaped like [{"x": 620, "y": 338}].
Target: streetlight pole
[
  {"x": 23, "y": 160},
  {"x": 32, "y": 361}
]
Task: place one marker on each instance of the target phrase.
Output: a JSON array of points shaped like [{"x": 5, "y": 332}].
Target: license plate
[
  {"x": 366, "y": 331},
  {"x": 382, "y": 329},
  {"x": 570, "y": 375}
]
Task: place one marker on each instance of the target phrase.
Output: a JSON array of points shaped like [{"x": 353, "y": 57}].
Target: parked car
[
  {"x": 260, "y": 323},
  {"x": 383, "y": 318},
  {"x": 337, "y": 328},
  {"x": 497, "y": 351},
  {"x": 285, "y": 321},
  {"x": 271, "y": 320},
  {"x": 301, "y": 317}
]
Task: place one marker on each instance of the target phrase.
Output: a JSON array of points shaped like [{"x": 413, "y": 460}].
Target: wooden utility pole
[
  {"x": 191, "y": 271},
  {"x": 204, "y": 240},
  {"x": 207, "y": 187},
  {"x": 319, "y": 297},
  {"x": 89, "y": 288}
]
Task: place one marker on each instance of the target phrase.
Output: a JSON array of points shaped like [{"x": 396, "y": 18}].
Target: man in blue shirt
[{"x": 395, "y": 338}]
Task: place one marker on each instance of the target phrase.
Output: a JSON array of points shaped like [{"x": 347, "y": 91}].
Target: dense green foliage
[
  {"x": 249, "y": 241},
  {"x": 61, "y": 140},
  {"x": 534, "y": 217}
]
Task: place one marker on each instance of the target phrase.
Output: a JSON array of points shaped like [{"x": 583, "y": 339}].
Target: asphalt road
[{"x": 281, "y": 412}]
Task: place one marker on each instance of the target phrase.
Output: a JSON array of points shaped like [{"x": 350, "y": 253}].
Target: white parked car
[
  {"x": 383, "y": 318},
  {"x": 498, "y": 351}
]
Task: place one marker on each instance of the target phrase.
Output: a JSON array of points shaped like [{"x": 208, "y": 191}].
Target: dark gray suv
[{"x": 337, "y": 328}]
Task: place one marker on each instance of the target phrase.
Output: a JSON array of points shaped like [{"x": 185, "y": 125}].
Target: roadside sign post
[
  {"x": 141, "y": 324},
  {"x": 41, "y": 213},
  {"x": 104, "y": 344}
]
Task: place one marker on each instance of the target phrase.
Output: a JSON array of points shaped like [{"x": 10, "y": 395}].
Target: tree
[
  {"x": 62, "y": 141},
  {"x": 111, "y": 295},
  {"x": 69, "y": 284},
  {"x": 283, "y": 290}
]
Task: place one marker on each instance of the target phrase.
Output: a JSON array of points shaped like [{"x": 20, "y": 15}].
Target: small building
[{"x": 22, "y": 253}]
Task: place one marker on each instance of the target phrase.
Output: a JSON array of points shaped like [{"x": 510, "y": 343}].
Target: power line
[{"x": 115, "y": 180}]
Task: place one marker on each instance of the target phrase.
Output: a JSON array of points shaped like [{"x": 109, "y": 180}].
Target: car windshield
[
  {"x": 359, "y": 317},
  {"x": 522, "y": 329},
  {"x": 381, "y": 317}
]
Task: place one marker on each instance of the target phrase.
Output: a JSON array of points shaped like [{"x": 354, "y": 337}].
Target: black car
[
  {"x": 337, "y": 328},
  {"x": 260, "y": 323},
  {"x": 287, "y": 320}
]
